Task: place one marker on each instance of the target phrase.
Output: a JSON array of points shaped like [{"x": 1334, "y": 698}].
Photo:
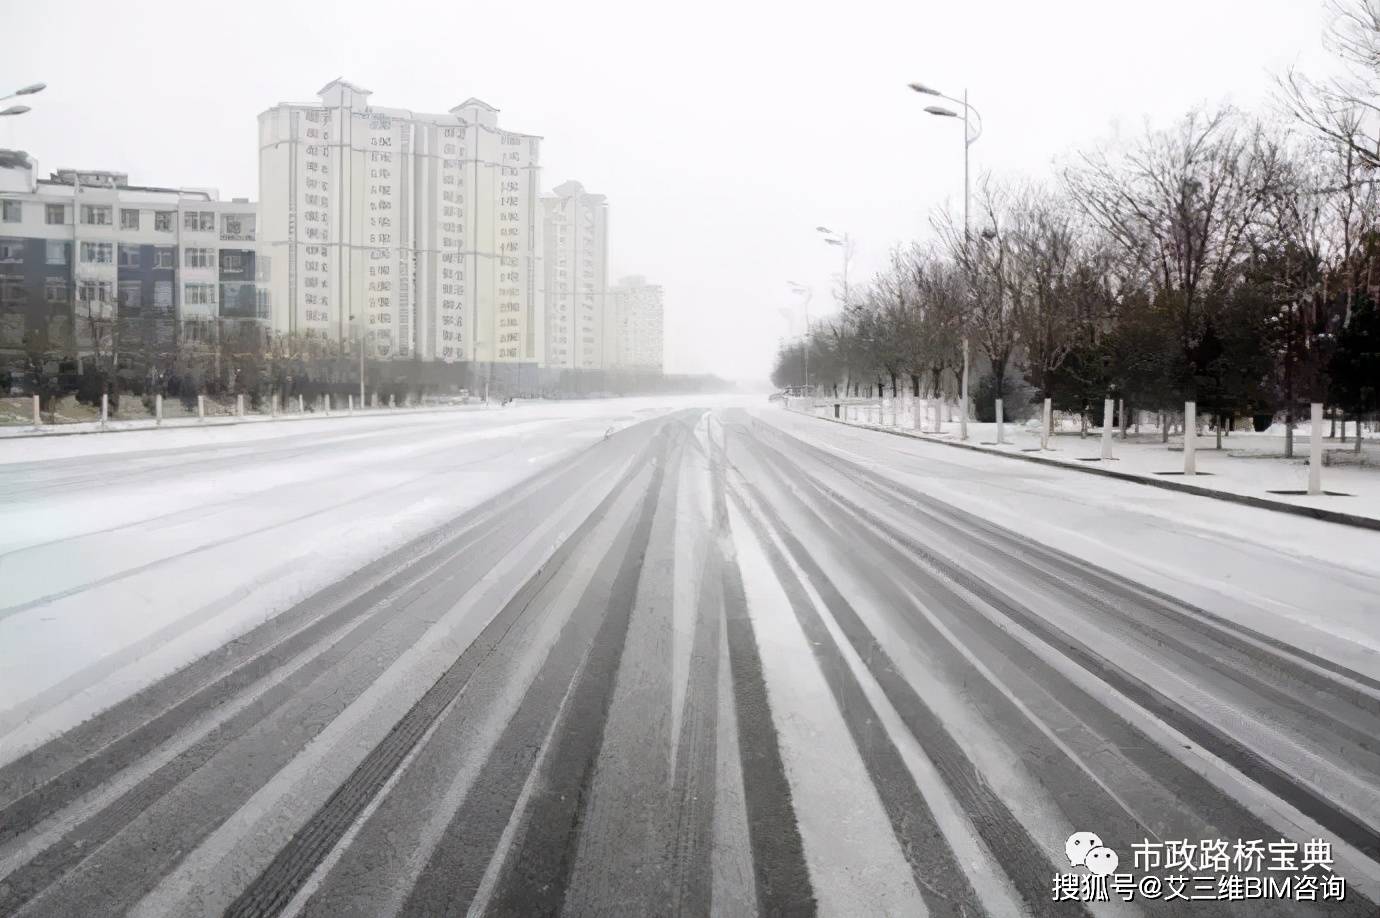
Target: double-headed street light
[
  {"x": 971, "y": 132},
  {"x": 24, "y": 91},
  {"x": 844, "y": 243}
]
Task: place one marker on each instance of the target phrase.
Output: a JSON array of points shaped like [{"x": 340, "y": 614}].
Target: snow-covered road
[{"x": 722, "y": 660}]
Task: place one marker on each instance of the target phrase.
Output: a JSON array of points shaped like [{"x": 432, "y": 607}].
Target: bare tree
[
  {"x": 984, "y": 261},
  {"x": 1186, "y": 204},
  {"x": 1344, "y": 107}
]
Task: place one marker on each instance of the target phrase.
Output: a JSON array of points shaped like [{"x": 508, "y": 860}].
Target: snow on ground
[
  {"x": 126, "y": 555},
  {"x": 1248, "y": 463},
  {"x": 1310, "y": 583}
]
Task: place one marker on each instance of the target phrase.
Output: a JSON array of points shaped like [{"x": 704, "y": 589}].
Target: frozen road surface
[{"x": 659, "y": 657}]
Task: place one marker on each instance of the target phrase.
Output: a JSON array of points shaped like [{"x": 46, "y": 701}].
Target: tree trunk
[{"x": 1164, "y": 426}]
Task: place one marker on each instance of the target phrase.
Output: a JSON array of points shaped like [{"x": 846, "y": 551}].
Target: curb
[
  {"x": 54, "y": 430},
  {"x": 1261, "y": 503}
]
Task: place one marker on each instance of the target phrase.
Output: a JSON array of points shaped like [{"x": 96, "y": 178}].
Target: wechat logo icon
[{"x": 1085, "y": 849}]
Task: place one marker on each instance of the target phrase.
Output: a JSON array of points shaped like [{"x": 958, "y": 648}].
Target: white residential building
[
  {"x": 82, "y": 247},
  {"x": 418, "y": 230},
  {"x": 636, "y": 317},
  {"x": 575, "y": 269}
]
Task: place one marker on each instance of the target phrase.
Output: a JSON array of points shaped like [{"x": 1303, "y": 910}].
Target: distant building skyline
[{"x": 425, "y": 235}]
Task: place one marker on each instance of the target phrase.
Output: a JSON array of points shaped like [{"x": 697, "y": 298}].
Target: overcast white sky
[{"x": 722, "y": 132}]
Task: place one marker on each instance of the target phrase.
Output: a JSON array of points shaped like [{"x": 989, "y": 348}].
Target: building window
[
  {"x": 55, "y": 214},
  {"x": 200, "y": 295},
  {"x": 95, "y": 292},
  {"x": 129, "y": 256},
  {"x": 199, "y": 221},
  {"x": 231, "y": 261},
  {"x": 11, "y": 250},
  {"x": 197, "y": 258},
  {"x": 163, "y": 257},
  {"x": 131, "y": 295},
  {"x": 11, "y": 291},
  {"x": 55, "y": 290},
  {"x": 232, "y": 225},
  {"x": 96, "y": 214},
  {"x": 163, "y": 221},
  {"x": 97, "y": 253},
  {"x": 57, "y": 252},
  {"x": 129, "y": 219},
  {"x": 11, "y": 211}
]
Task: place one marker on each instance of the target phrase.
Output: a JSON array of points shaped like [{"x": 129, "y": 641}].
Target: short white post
[
  {"x": 273, "y": 404},
  {"x": 391, "y": 401},
  {"x": 1107, "y": 425},
  {"x": 1190, "y": 437},
  {"x": 239, "y": 405},
  {"x": 105, "y": 408},
  {"x": 38, "y": 420},
  {"x": 918, "y": 416},
  {"x": 938, "y": 416},
  {"x": 1045, "y": 425},
  {"x": 892, "y": 422},
  {"x": 201, "y": 407},
  {"x": 328, "y": 403},
  {"x": 301, "y": 409},
  {"x": 1000, "y": 440},
  {"x": 1315, "y": 450},
  {"x": 158, "y": 410}
]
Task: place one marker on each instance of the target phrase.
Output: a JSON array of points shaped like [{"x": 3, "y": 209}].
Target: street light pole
[
  {"x": 808, "y": 294},
  {"x": 969, "y": 138},
  {"x": 361, "y": 364}
]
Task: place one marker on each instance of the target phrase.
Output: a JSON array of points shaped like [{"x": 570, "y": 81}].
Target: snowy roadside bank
[{"x": 1268, "y": 483}]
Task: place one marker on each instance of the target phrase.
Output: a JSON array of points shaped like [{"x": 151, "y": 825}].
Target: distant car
[{"x": 777, "y": 397}]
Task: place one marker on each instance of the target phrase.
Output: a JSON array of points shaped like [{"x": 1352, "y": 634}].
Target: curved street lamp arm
[{"x": 977, "y": 129}]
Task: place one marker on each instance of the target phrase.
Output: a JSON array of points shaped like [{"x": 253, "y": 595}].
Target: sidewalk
[
  {"x": 183, "y": 421},
  {"x": 1249, "y": 468}
]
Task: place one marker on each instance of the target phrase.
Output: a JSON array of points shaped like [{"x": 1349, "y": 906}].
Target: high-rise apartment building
[
  {"x": 635, "y": 317},
  {"x": 575, "y": 269},
  {"x": 418, "y": 231}
]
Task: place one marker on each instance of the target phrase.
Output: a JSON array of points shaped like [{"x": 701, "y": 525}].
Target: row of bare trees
[{"x": 1226, "y": 259}]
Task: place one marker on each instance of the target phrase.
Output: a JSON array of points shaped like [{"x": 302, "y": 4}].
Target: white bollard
[
  {"x": 938, "y": 416},
  {"x": 273, "y": 405},
  {"x": 201, "y": 407},
  {"x": 391, "y": 403},
  {"x": 301, "y": 405},
  {"x": 105, "y": 408},
  {"x": 1315, "y": 450},
  {"x": 328, "y": 404},
  {"x": 350, "y": 401},
  {"x": 1190, "y": 436},
  {"x": 1045, "y": 424},
  {"x": 158, "y": 410},
  {"x": 239, "y": 406},
  {"x": 38, "y": 421},
  {"x": 917, "y": 418},
  {"x": 1000, "y": 440},
  {"x": 1107, "y": 425}
]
